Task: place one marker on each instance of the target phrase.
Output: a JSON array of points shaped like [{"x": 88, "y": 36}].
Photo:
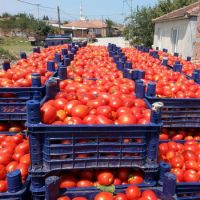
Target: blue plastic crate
[
  {"x": 167, "y": 192},
  {"x": 38, "y": 183},
  {"x": 179, "y": 112},
  {"x": 14, "y": 108}
]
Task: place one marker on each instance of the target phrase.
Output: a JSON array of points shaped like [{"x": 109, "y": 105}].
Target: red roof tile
[
  {"x": 187, "y": 11},
  {"x": 87, "y": 24}
]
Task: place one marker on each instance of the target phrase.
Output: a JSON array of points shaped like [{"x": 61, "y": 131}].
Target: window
[{"x": 174, "y": 39}]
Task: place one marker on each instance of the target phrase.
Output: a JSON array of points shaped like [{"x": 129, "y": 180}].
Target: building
[
  {"x": 179, "y": 31},
  {"x": 84, "y": 27}
]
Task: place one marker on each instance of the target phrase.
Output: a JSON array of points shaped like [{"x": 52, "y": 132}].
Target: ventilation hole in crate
[
  {"x": 84, "y": 155},
  {"x": 109, "y": 155}
]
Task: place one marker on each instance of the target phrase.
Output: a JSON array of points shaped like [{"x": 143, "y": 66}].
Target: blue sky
[{"x": 70, "y": 9}]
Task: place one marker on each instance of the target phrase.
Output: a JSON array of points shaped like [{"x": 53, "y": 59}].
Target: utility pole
[
  {"x": 58, "y": 9},
  {"x": 38, "y": 8}
]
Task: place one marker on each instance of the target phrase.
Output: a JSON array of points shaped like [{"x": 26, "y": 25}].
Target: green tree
[
  {"x": 110, "y": 25},
  {"x": 139, "y": 27}
]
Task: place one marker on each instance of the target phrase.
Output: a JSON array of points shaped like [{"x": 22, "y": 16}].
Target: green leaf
[{"x": 110, "y": 188}]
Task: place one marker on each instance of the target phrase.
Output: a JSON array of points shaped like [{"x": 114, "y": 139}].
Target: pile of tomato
[
  {"x": 14, "y": 152},
  {"x": 168, "y": 83},
  {"x": 180, "y": 134},
  {"x": 19, "y": 75},
  {"x": 131, "y": 193},
  {"x": 90, "y": 178},
  {"x": 93, "y": 62},
  {"x": 183, "y": 158},
  {"x": 187, "y": 66},
  {"x": 96, "y": 102}
]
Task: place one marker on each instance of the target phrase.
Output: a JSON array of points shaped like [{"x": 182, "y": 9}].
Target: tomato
[
  {"x": 177, "y": 162},
  {"x": 89, "y": 119},
  {"x": 63, "y": 198},
  {"x": 149, "y": 194},
  {"x": 25, "y": 159},
  {"x": 104, "y": 196},
  {"x": 3, "y": 186},
  {"x": 61, "y": 115},
  {"x": 11, "y": 166},
  {"x": 126, "y": 119},
  {"x": 101, "y": 119},
  {"x": 136, "y": 178},
  {"x": 115, "y": 103},
  {"x": 191, "y": 176},
  {"x": 123, "y": 174},
  {"x": 140, "y": 103},
  {"x": 191, "y": 164},
  {"x": 5, "y": 158},
  {"x": 68, "y": 107},
  {"x": 18, "y": 138},
  {"x": 120, "y": 196},
  {"x": 189, "y": 155},
  {"x": 117, "y": 181},
  {"x": 133, "y": 193},
  {"x": 24, "y": 146},
  {"x": 23, "y": 169},
  {"x": 48, "y": 114},
  {"x": 172, "y": 146},
  {"x": 104, "y": 110},
  {"x": 60, "y": 103},
  {"x": 17, "y": 155},
  {"x": 2, "y": 172},
  {"x": 79, "y": 111},
  {"x": 105, "y": 178},
  {"x": 163, "y": 148},
  {"x": 67, "y": 182},
  {"x": 84, "y": 183},
  {"x": 79, "y": 198},
  {"x": 87, "y": 175},
  {"x": 179, "y": 174}
]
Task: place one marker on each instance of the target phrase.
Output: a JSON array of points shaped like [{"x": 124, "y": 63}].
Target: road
[{"x": 119, "y": 41}]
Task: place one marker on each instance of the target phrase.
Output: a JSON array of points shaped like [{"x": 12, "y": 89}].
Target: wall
[
  {"x": 197, "y": 42},
  {"x": 186, "y": 36}
]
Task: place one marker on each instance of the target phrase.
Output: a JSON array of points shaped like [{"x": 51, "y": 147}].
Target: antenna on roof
[{"x": 82, "y": 18}]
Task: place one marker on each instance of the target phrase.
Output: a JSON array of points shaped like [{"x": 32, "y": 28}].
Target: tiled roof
[
  {"x": 87, "y": 24},
  {"x": 187, "y": 11}
]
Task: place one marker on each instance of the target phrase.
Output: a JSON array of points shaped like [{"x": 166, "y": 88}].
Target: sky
[{"x": 70, "y": 9}]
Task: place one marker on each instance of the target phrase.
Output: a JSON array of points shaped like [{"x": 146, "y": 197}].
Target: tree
[
  {"x": 45, "y": 18},
  {"x": 139, "y": 28},
  {"x": 110, "y": 25}
]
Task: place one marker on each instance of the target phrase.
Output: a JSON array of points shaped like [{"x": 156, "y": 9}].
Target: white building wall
[{"x": 186, "y": 29}]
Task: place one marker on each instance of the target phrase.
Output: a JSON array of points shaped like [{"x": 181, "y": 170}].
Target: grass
[{"x": 12, "y": 46}]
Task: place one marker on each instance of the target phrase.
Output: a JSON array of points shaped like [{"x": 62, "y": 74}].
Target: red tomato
[
  {"x": 105, "y": 178},
  {"x": 191, "y": 164},
  {"x": 104, "y": 110},
  {"x": 79, "y": 111},
  {"x": 17, "y": 155},
  {"x": 48, "y": 114},
  {"x": 84, "y": 183},
  {"x": 123, "y": 174},
  {"x": 133, "y": 193},
  {"x": 3, "y": 186},
  {"x": 2, "y": 172},
  {"x": 126, "y": 119},
  {"x": 136, "y": 178},
  {"x": 70, "y": 105},
  {"x": 90, "y": 119},
  {"x": 149, "y": 194},
  {"x": 163, "y": 148},
  {"x": 79, "y": 198},
  {"x": 140, "y": 103},
  {"x": 177, "y": 162},
  {"x": 24, "y": 146},
  {"x": 5, "y": 159},
  {"x": 24, "y": 169},
  {"x": 67, "y": 182},
  {"x": 117, "y": 181},
  {"x": 11, "y": 166},
  {"x": 179, "y": 174},
  {"x": 25, "y": 159},
  {"x": 191, "y": 176},
  {"x": 104, "y": 196},
  {"x": 87, "y": 174},
  {"x": 115, "y": 103},
  {"x": 120, "y": 196},
  {"x": 101, "y": 119},
  {"x": 60, "y": 103}
]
